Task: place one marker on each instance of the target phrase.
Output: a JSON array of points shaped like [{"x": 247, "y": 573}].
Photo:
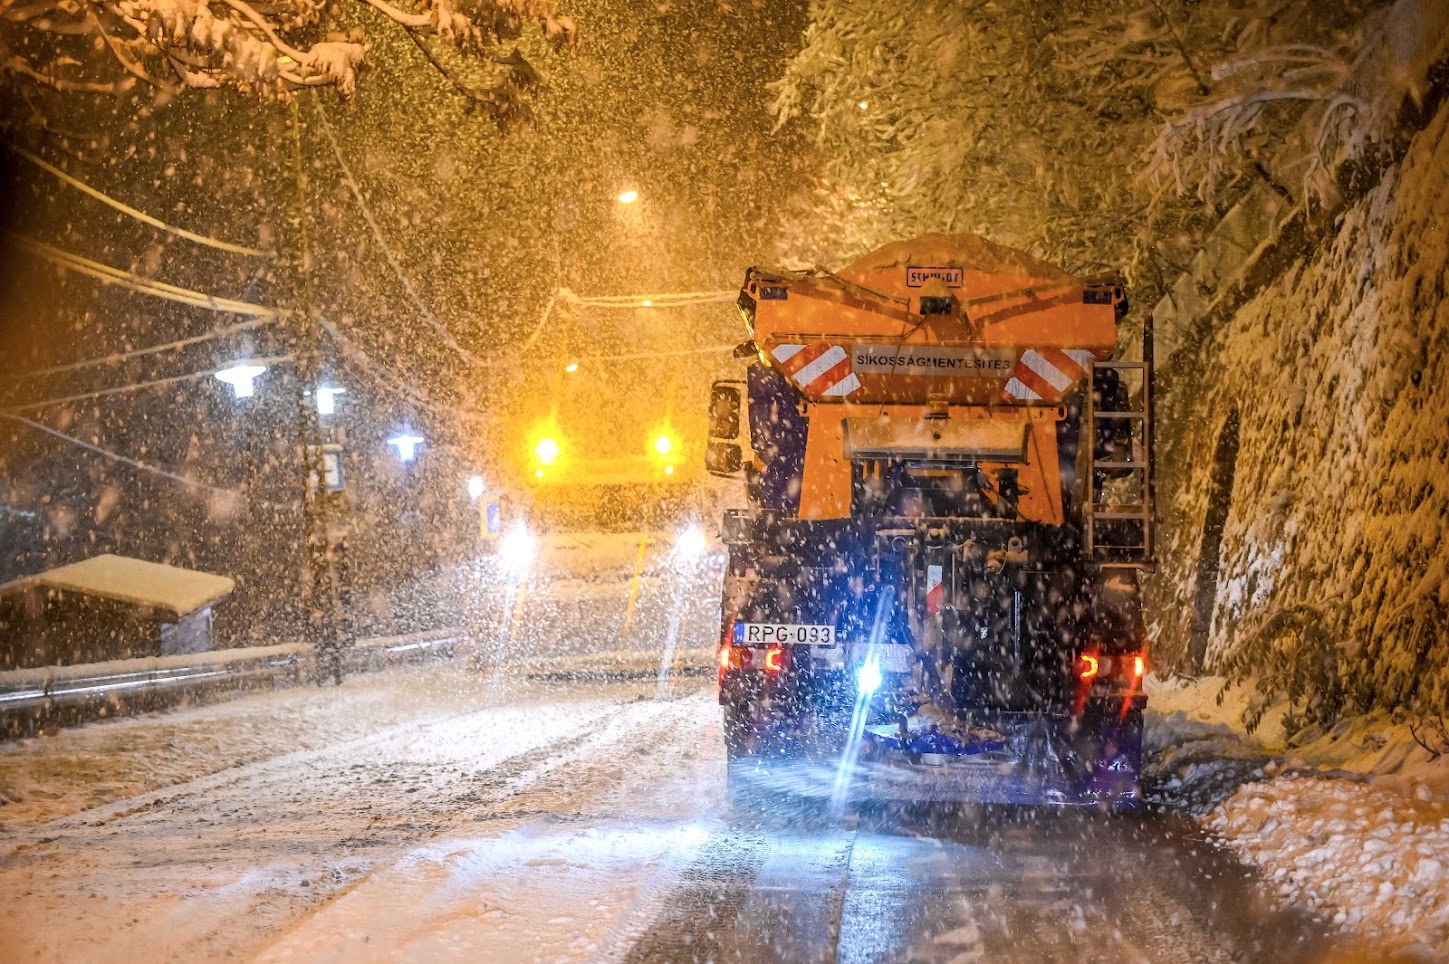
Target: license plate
[{"x": 782, "y": 634}]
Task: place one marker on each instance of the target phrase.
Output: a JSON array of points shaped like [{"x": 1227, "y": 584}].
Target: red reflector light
[
  {"x": 1139, "y": 666},
  {"x": 774, "y": 659},
  {"x": 1087, "y": 666}
]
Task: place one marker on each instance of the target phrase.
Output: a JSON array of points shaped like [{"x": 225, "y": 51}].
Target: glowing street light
[
  {"x": 407, "y": 444},
  {"x": 327, "y": 400},
  {"x": 475, "y": 487},
  {"x": 547, "y": 451},
  {"x": 571, "y": 367},
  {"x": 628, "y": 197},
  {"x": 242, "y": 378},
  {"x": 663, "y": 444}
]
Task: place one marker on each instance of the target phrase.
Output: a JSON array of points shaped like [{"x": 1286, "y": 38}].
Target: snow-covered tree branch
[
  {"x": 1096, "y": 135},
  {"x": 266, "y": 47}
]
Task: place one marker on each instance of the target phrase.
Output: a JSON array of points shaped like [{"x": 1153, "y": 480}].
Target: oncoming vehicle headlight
[
  {"x": 517, "y": 547},
  {"x": 691, "y": 542}
]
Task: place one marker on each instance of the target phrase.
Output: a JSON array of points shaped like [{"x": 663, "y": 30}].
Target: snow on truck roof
[{"x": 123, "y": 579}]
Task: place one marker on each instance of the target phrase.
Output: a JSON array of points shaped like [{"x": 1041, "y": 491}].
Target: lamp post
[
  {"x": 242, "y": 377},
  {"x": 407, "y": 444},
  {"x": 324, "y": 543}
]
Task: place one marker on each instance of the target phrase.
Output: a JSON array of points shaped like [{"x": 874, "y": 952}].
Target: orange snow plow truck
[{"x": 933, "y": 594}]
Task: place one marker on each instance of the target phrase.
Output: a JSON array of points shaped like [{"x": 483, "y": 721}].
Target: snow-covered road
[
  {"x": 518, "y": 804},
  {"x": 441, "y": 818}
]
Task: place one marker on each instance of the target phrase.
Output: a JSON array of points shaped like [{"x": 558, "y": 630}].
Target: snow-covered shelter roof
[{"x": 135, "y": 581}]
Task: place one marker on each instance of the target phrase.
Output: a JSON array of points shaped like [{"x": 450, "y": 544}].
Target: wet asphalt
[{"x": 947, "y": 884}]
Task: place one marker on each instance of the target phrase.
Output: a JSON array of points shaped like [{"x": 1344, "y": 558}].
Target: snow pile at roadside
[
  {"x": 1372, "y": 863},
  {"x": 1351, "y": 824}
]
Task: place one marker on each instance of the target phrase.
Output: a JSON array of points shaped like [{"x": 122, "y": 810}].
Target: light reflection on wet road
[{"x": 939, "y": 886}]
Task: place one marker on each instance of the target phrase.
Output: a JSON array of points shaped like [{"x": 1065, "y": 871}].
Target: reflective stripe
[
  {"x": 845, "y": 386},
  {"x": 1016, "y": 388},
  {"x": 1059, "y": 380},
  {"x": 820, "y": 366},
  {"x": 784, "y": 353}
]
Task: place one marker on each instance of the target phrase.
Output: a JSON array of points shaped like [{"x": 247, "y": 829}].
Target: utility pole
[{"x": 322, "y": 598}]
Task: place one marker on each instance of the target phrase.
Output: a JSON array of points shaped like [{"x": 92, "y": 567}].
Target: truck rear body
[{"x": 934, "y": 585}]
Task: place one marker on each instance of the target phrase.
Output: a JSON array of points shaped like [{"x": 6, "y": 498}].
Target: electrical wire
[
  {"x": 141, "y": 215},
  {"x": 644, "y": 355},
  {"x": 665, "y": 300},
  {"x": 392, "y": 260},
  {"x": 134, "y": 386},
  {"x": 383, "y": 376},
  {"x": 150, "y": 350},
  {"x": 135, "y": 282},
  {"x": 114, "y": 456}
]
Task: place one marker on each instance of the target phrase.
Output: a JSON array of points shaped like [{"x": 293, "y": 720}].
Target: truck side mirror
[
  {"x": 724, "y": 412},
  {"x": 723, "y": 458}
]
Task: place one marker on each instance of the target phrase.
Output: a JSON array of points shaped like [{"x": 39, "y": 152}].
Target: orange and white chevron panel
[
  {"x": 818, "y": 369},
  {"x": 1046, "y": 374}
]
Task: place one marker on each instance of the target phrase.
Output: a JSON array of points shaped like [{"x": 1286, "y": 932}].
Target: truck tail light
[
  {"x": 1139, "y": 667},
  {"x": 776, "y": 659},
  {"x": 1087, "y": 666}
]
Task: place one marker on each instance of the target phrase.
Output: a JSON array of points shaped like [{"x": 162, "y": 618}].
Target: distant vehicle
[
  {"x": 597, "y": 439},
  {"x": 950, "y": 497}
]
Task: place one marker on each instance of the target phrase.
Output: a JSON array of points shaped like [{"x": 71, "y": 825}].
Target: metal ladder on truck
[{"x": 1119, "y": 519}]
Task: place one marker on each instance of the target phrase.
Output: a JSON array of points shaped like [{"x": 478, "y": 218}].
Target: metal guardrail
[{"x": 35, "y": 699}]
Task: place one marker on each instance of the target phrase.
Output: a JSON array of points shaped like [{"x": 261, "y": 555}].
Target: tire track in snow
[
  {"x": 226, "y": 779},
  {"x": 281, "y": 839}
]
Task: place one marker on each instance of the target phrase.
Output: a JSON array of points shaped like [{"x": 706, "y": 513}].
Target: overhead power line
[
  {"x": 134, "y": 386},
  {"x": 664, "y": 300},
  {"x": 135, "y": 282},
  {"x": 150, "y": 350},
  {"x": 642, "y": 355},
  {"x": 381, "y": 374},
  {"x": 141, "y": 215},
  {"x": 392, "y": 260},
  {"x": 676, "y": 299},
  {"x": 116, "y": 457}
]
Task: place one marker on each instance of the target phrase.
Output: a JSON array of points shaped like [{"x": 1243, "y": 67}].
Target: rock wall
[{"x": 1329, "y": 497}]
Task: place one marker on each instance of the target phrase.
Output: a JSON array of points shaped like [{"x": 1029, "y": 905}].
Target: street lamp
[
  {"x": 475, "y": 487},
  {"x": 242, "y": 378},
  {"x": 327, "y": 400},
  {"x": 407, "y": 444},
  {"x": 547, "y": 451},
  {"x": 628, "y": 197}
]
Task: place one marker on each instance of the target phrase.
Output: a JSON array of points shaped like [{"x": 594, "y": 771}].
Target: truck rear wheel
[{"x": 743, "y": 736}]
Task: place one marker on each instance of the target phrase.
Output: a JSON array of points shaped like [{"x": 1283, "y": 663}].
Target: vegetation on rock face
[{"x": 1333, "y": 590}]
